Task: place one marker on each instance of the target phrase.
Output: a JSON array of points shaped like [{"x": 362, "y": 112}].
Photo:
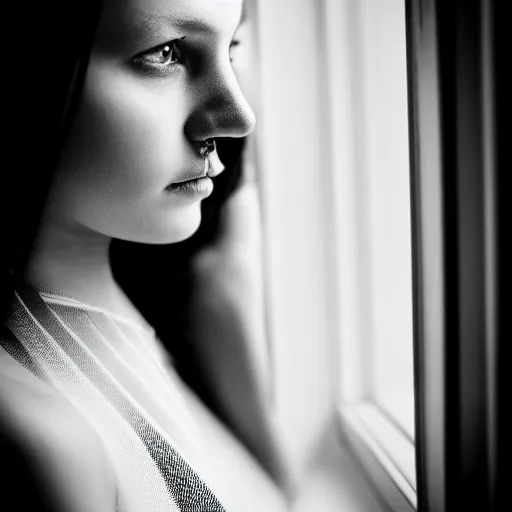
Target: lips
[
  {"x": 212, "y": 168},
  {"x": 195, "y": 176}
]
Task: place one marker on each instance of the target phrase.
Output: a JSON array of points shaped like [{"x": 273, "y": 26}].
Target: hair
[
  {"x": 40, "y": 117},
  {"x": 49, "y": 91}
]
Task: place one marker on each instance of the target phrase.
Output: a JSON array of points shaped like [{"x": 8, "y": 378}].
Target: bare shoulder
[{"x": 49, "y": 447}]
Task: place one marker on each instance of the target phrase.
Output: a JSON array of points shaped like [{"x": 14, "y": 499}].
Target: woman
[{"x": 123, "y": 146}]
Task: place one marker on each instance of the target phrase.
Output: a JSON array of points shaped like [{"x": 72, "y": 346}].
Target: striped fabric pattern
[{"x": 133, "y": 402}]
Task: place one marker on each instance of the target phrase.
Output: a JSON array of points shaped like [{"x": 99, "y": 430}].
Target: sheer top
[{"x": 168, "y": 451}]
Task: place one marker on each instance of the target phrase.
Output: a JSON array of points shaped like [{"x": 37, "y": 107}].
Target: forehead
[{"x": 184, "y": 15}]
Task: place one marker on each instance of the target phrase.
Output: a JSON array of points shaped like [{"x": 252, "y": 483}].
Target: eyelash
[
  {"x": 143, "y": 59},
  {"x": 171, "y": 46},
  {"x": 233, "y": 44}
]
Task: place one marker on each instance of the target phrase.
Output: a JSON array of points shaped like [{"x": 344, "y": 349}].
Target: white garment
[
  {"x": 76, "y": 351},
  {"x": 118, "y": 375}
]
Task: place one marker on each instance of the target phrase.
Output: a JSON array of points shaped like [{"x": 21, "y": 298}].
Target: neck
[{"x": 73, "y": 261}]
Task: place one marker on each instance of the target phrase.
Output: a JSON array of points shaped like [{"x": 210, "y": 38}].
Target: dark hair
[
  {"x": 44, "y": 81},
  {"x": 159, "y": 287}
]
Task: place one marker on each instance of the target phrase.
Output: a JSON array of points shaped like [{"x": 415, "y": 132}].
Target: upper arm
[
  {"x": 51, "y": 457},
  {"x": 50, "y": 481}
]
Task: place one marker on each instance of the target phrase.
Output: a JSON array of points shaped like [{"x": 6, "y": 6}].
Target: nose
[{"x": 222, "y": 111}]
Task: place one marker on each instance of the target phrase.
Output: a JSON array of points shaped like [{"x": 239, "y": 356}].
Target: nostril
[{"x": 207, "y": 147}]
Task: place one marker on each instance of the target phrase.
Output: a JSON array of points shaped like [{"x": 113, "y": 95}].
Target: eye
[
  {"x": 160, "y": 57},
  {"x": 233, "y": 44}
]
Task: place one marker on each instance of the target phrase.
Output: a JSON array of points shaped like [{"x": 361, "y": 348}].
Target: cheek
[
  {"x": 127, "y": 133},
  {"x": 126, "y": 145}
]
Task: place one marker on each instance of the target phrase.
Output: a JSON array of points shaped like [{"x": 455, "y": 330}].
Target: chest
[
  {"x": 167, "y": 448},
  {"x": 222, "y": 461}
]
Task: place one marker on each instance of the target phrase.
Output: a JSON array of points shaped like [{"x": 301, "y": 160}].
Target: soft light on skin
[{"x": 135, "y": 132}]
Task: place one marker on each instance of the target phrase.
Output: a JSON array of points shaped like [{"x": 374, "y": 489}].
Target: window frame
[
  {"x": 456, "y": 236},
  {"x": 448, "y": 190},
  {"x": 369, "y": 432},
  {"x": 364, "y": 426},
  {"x": 454, "y": 171}
]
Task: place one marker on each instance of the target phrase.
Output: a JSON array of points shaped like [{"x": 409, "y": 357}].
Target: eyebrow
[
  {"x": 243, "y": 17},
  {"x": 189, "y": 25},
  {"x": 153, "y": 22}
]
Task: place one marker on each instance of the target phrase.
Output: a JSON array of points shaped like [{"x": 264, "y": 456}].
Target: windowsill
[
  {"x": 385, "y": 452},
  {"x": 399, "y": 408},
  {"x": 333, "y": 482}
]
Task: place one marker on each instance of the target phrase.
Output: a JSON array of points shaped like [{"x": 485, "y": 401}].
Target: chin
[{"x": 174, "y": 228}]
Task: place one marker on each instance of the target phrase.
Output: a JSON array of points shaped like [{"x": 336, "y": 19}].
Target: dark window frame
[{"x": 455, "y": 187}]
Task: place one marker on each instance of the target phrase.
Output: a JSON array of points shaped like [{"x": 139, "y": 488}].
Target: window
[
  {"x": 374, "y": 246},
  {"x": 456, "y": 230},
  {"x": 332, "y": 141},
  {"x": 379, "y": 183}
]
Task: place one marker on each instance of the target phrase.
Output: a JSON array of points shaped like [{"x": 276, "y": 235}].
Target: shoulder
[{"x": 48, "y": 448}]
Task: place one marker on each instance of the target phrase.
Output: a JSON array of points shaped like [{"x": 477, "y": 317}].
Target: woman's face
[{"x": 159, "y": 83}]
